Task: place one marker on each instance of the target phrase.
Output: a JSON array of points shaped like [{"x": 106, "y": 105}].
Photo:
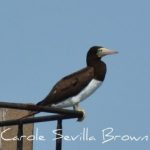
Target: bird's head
[{"x": 97, "y": 52}]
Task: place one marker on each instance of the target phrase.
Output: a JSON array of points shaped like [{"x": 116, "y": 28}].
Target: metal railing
[{"x": 60, "y": 115}]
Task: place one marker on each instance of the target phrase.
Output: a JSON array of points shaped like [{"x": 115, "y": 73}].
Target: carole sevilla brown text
[{"x": 104, "y": 136}]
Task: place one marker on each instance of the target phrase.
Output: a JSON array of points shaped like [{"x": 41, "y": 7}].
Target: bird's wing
[{"x": 69, "y": 86}]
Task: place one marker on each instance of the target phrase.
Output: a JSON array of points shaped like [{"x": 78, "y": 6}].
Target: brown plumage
[
  {"x": 71, "y": 85},
  {"x": 68, "y": 86}
]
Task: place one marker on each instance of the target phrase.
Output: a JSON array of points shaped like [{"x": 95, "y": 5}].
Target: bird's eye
[{"x": 99, "y": 52}]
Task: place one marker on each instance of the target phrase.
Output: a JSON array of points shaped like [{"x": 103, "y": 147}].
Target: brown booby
[{"x": 76, "y": 87}]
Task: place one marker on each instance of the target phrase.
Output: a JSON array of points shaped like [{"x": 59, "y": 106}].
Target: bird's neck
[{"x": 99, "y": 68}]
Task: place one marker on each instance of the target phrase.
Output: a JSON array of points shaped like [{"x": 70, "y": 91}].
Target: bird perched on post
[{"x": 76, "y": 87}]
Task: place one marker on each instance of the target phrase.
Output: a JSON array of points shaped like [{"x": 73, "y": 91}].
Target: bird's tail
[
  {"x": 30, "y": 114},
  {"x": 41, "y": 103}
]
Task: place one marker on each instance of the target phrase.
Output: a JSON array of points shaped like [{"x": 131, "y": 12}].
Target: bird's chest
[{"x": 87, "y": 91}]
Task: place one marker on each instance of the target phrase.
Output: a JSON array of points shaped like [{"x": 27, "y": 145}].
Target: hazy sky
[{"x": 43, "y": 40}]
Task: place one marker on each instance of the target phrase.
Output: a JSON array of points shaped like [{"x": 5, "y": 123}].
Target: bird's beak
[{"x": 105, "y": 51}]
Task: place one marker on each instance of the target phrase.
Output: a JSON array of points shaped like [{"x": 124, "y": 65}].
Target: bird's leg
[{"x": 77, "y": 108}]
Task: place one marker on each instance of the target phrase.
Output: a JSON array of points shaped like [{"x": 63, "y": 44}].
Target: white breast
[{"x": 87, "y": 91}]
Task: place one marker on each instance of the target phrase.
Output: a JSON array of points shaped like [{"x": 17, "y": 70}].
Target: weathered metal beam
[
  {"x": 58, "y": 135},
  {"x": 33, "y": 107},
  {"x": 37, "y": 119}
]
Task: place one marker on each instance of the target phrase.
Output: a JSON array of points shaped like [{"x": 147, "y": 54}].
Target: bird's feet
[
  {"x": 83, "y": 117},
  {"x": 77, "y": 108}
]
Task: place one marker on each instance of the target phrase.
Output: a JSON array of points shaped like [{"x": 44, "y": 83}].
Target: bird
[{"x": 76, "y": 87}]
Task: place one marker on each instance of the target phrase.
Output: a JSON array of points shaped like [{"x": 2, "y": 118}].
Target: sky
[{"x": 42, "y": 41}]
